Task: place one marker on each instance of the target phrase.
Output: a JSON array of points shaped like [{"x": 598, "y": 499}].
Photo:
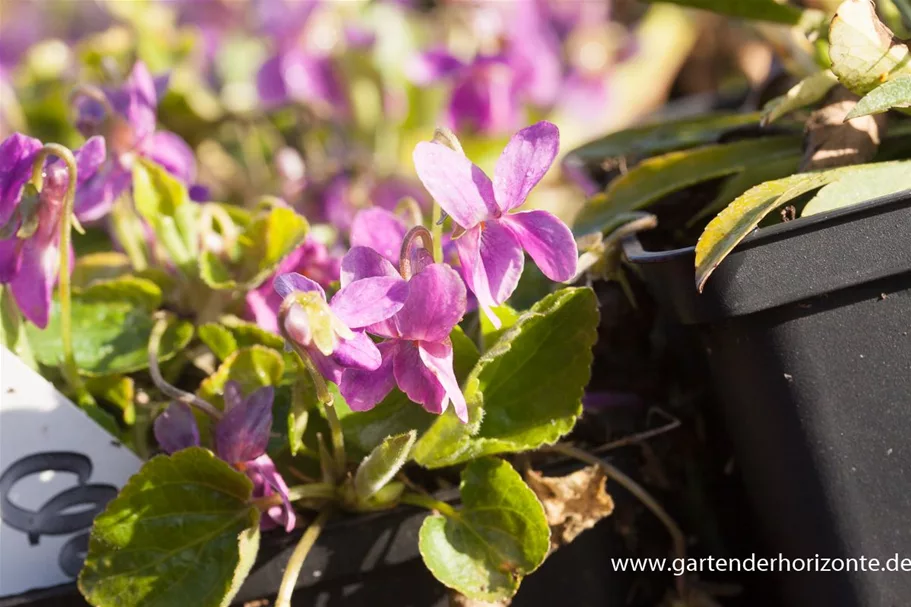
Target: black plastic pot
[
  {"x": 369, "y": 560},
  {"x": 806, "y": 328}
]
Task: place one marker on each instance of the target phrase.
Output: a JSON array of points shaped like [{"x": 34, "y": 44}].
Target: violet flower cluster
[
  {"x": 414, "y": 309},
  {"x": 240, "y": 438}
]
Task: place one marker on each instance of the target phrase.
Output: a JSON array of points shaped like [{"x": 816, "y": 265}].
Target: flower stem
[
  {"x": 425, "y": 501},
  {"x": 437, "y": 227},
  {"x": 296, "y": 562},
  {"x": 70, "y": 368},
  {"x": 325, "y": 397},
  {"x": 677, "y": 536},
  {"x": 296, "y": 494},
  {"x": 158, "y": 329},
  {"x": 415, "y": 233}
]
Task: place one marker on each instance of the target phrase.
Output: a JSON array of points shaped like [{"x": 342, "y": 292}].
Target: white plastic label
[{"x": 58, "y": 470}]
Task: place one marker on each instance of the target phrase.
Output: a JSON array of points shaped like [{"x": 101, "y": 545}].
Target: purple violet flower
[
  {"x": 417, "y": 354},
  {"x": 327, "y": 332},
  {"x": 129, "y": 134},
  {"x": 490, "y": 250},
  {"x": 30, "y": 255},
  {"x": 241, "y": 437},
  {"x": 380, "y": 230}
]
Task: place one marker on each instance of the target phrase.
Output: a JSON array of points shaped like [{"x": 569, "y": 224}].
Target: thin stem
[
  {"x": 161, "y": 324},
  {"x": 296, "y": 562},
  {"x": 673, "y": 424},
  {"x": 425, "y": 501},
  {"x": 70, "y": 369},
  {"x": 437, "y": 226},
  {"x": 296, "y": 494},
  {"x": 417, "y": 232},
  {"x": 639, "y": 493}
]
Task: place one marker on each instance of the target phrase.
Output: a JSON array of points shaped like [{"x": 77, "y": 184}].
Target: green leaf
[
  {"x": 383, "y": 463},
  {"x": 863, "y": 51},
  {"x": 12, "y": 329},
  {"x": 182, "y": 532},
  {"x": 271, "y": 237},
  {"x": 252, "y": 368},
  {"x": 759, "y": 10},
  {"x": 526, "y": 391},
  {"x": 118, "y": 390},
  {"x": 806, "y": 92},
  {"x": 303, "y": 400},
  {"x": 490, "y": 334},
  {"x": 661, "y": 137},
  {"x": 733, "y": 224},
  {"x": 106, "y": 265},
  {"x": 465, "y": 354},
  {"x": 499, "y": 536},
  {"x": 895, "y": 93},
  {"x": 657, "y": 177},
  {"x": 219, "y": 339},
  {"x": 164, "y": 203},
  {"x": 112, "y": 321},
  {"x": 865, "y": 185},
  {"x": 251, "y": 334},
  {"x": 752, "y": 175},
  {"x": 394, "y": 415}
]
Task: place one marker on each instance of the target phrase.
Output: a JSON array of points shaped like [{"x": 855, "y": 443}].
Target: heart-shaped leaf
[
  {"x": 383, "y": 463},
  {"x": 182, "y": 532},
  {"x": 864, "y": 52},
  {"x": 657, "y": 177},
  {"x": 489, "y": 333},
  {"x": 895, "y": 93},
  {"x": 164, "y": 203},
  {"x": 759, "y": 10},
  {"x": 526, "y": 391},
  {"x": 806, "y": 92},
  {"x": 733, "y": 224},
  {"x": 270, "y": 237},
  {"x": 394, "y": 415},
  {"x": 112, "y": 322},
  {"x": 498, "y": 536}
]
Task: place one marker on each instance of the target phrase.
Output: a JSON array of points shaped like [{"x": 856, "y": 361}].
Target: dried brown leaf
[
  {"x": 832, "y": 142},
  {"x": 572, "y": 503}
]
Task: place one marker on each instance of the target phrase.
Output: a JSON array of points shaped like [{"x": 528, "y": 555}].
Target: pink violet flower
[
  {"x": 491, "y": 247},
  {"x": 30, "y": 263},
  {"x": 417, "y": 355},
  {"x": 240, "y": 438},
  {"x": 331, "y": 334}
]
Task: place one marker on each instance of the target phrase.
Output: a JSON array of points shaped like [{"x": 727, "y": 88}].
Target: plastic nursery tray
[{"x": 806, "y": 328}]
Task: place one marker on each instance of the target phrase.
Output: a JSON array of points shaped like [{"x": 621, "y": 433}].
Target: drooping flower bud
[{"x": 176, "y": 428}]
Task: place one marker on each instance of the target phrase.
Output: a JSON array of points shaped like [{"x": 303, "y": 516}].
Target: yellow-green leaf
[
  {"x": 657, "y": 177},
  {"x": 895, "y": 93},
  {"x": 806, "y": 92},
  {"x": 864, "y": 52}
]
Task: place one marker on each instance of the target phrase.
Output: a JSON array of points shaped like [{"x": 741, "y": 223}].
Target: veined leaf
[
  {"x": 252, "y": 368},
  {"x": 864, "y": 52},
  {"x": 735, "y": 222},
  {"x": 659, "y": 176},
  {"x": 490, "y": 334},
  {"x": 219, "y": 339},
  {"x": 806, "y": 92},
  {"x": 395, "y": 414},
  {"x": 759, "y": 10},
  {"x": 894, "y": 93},
  {"x": 112, "y": 321},
  {"x": 499, "y": 536},
  {"x": 865, "y": 185},
  {"x": 525, "y": 391},
  {"x": 182, "y": 532}
]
